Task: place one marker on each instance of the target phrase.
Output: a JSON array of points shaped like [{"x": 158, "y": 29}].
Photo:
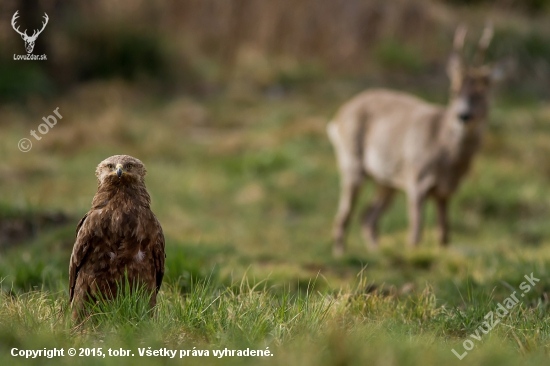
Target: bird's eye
[
  {"x": 129, "y": 166},
  {"x": 110, "y": 166}
]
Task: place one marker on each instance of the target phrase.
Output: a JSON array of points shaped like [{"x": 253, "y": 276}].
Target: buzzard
[{"x": 120, "y": 234}]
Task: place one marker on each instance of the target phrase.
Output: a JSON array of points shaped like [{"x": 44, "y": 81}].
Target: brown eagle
[{"x": 120, "y": 234}]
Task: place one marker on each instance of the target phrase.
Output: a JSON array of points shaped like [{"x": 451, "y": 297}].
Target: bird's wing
[
  {"x": 80, "y": 249},
  {"x": 159, "y": 255}
]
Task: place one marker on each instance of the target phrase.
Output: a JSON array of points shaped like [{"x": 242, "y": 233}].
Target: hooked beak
[{"x": 119, "y": 170}]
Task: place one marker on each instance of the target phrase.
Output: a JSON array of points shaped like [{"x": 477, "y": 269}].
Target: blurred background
[
  {"x": 226, "y": 103},
  {"x": 207, "y": 47}
]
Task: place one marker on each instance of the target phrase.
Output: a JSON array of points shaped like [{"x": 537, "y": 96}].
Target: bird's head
[{"x": 120, "y": 169}]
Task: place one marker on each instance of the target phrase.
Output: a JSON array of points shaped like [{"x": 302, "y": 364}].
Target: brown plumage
[{"x": 120, "y": 233}]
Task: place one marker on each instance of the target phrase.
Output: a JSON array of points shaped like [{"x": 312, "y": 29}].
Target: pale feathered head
[{"x": 120, "y": 169}]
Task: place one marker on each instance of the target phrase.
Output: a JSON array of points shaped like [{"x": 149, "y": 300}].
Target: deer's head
[
  {"x": 29, "y": 40},
  {"x": 470, "y": 84}
]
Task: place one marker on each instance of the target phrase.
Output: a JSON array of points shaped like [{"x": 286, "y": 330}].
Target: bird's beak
[{"x": 119, "y": 170}]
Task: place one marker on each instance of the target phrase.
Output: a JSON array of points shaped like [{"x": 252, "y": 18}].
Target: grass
[
  {"x": 245, "y": 186},
  {"x": 307, "y": 327}
]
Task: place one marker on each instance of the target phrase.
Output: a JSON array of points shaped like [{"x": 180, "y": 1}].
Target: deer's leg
[
  {"x": 372, "y": 214},
  {"x": 442, "y": 220},
  {"x": 415, "y": 202},
  {"x": 349, "y": 189}
]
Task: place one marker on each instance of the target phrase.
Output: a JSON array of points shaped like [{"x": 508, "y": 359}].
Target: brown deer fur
[{"x": 404, "y": 143}]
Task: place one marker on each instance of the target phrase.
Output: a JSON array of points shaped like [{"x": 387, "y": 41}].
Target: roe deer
[{"x": 403, "y": 142}]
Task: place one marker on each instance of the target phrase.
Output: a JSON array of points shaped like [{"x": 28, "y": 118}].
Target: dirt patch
[{"x": 17, "y": 228}]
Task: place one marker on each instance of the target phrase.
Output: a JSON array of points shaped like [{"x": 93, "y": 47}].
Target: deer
[
  {"x": 404, "y": 143},
  {"x": 29, "y": 40}
]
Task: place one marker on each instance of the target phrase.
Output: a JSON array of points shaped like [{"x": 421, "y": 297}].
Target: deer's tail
[{"x": 332, "y": 132}]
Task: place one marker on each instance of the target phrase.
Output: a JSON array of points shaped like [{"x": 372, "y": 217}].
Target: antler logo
[{"x": 29, "y": 40}]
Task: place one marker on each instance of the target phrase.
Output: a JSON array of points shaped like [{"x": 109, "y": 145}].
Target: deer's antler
[
  {"x": 43, "y": 26},
  {"x": 15, "y": 16},
  {"x": 454, "y": 66},
  {"x": 35, "y": 32},
  {"x": 484, "y": 42},
  {"x": 460, "y": 35}
]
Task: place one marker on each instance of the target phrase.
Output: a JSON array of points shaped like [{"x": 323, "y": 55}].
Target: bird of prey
[{"x": 120, "y": 236}]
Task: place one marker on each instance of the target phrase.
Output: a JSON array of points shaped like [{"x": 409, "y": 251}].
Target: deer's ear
[
  {"x": 502, "y": 69},
  {"x": 499, "y": 71},
  {"x": 23, "y": 37}
]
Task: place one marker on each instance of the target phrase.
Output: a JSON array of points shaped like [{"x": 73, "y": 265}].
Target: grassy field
[{"x": 245, "y": 186}]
